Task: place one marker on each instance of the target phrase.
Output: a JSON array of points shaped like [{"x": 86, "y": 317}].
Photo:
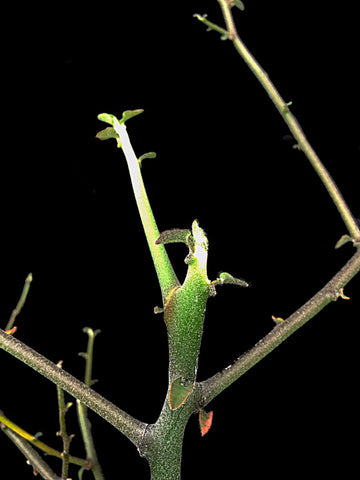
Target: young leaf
[
  {"x": 130, "y": 114},
  {"x": 205, "y": 421},
  {"x": 146, "y": 155},
  {"x": 110, "y": 119},
  {"x": 179, "y": 393},
  {"x": 106, "y": 117},
  {"x": 344, "y": 239},
  {"x": 176, "y": 235},
  {"x": 107, "y": 133},
  {"x": 229, "y": 279},
  {"x": 239, "y": 4}
]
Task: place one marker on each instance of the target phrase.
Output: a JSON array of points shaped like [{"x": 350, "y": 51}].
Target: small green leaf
[
  {"x": 92, "y": 333},
  {"x": 344, "y": 239},
  {"x": 146, "y": 155},
  {"x": 229, "y": 279},
  {"x": 110, "y": 119},
  {"x": 205, "y": 421},
  {"x": 239, "y": 4},
  {"x": 107, "y": 133},
  {"x": 179, "y": 392},
  {"x": 176, "y": 235},
  {"x": 130, "y": 114},
  {"x": 106, "y": 117}
]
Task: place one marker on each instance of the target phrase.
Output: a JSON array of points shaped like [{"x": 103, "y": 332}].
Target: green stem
[
  {"x": 185, "y": 310},
  {"x": 85, "y": 427},
  {"x": 89, "y": 355},
  {"x": 163, "y": 441},
  {"x": 20, "y": 303},
  {"x": 166, "y": 275},
  {"x": 330, "y": 292},
  {"x": 167, "y": 440},
  {"x": 212, "y": 26},
  {"x": 84, "y": 422}
]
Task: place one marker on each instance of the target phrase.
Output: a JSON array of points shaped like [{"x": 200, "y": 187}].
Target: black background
[{"x": 225, "y": 158}]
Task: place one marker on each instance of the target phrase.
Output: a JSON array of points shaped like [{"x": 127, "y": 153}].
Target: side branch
[
  {"x": 330, "y": 292},
  {"x": 7, "y": 425},
  {"x": 293, "y": 125},
  {"x": 129, "y": 426},
  {"x": 288, "y": 117},
  {"x": 34, "y": 459}
]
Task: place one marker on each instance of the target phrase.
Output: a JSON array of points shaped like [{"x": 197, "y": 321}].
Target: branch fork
[{"x": 184, "y": 308}]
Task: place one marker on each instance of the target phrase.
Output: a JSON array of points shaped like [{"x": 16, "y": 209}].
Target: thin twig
[
  {"x": 33, "y": 458},
  {"x": 36, "y": 442},
  {"x": 63, "y": 432},
  {"x": 132, "y": 428},
  {"x": 20, "y": 303},
  {"x": 84, "y": 422},
  {"x": 288, "y": 117}
]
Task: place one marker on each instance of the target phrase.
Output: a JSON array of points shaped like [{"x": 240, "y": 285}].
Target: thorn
[
  {"x": 286, "y": 106},
  {"x": 158, "y": 310}
]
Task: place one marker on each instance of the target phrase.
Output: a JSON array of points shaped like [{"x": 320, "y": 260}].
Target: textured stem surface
[{"x": 330, "y": 292}]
